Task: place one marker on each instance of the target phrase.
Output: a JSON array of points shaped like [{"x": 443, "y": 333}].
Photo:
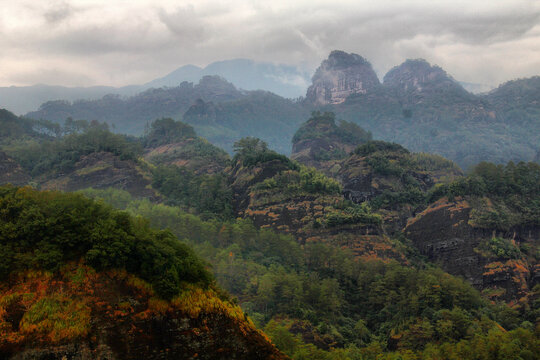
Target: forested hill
[
  {"x": 132, "y": 114},
  {"x": 417, "y": 104},
  {"x": 79, "y": 279},
  {"x": 357, "y": 263},
  {"x": 214, "y": 107}
]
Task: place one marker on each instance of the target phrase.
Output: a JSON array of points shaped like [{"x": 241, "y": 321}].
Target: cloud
[
  {"x": 58, "y": 13},
  {"x": 184, "y": 24},
  {"x": 118, "y": 42}
]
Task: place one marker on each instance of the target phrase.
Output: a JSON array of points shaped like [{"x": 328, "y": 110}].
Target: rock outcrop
[
  {"x": 445, "y": 234},
  {"x": 186, "y": 154},
  {"x": 172, "y": 142},
  {"x": 393, "y": 179},
  {"x": 418, "y": 76},
  {"x": 339, "y": 76},
  {"x": 322, "y": 144},
  {"x": 304, "y": 214}
]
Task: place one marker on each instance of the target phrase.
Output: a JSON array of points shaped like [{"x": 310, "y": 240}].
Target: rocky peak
[
  {"x": 339, "y": 76},
  {"x": 218, "y": 88},
  {"x": 417, "y": 75},
  {"x": 321, "y": 143}
]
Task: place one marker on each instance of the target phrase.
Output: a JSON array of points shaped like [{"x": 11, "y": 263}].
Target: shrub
[{"x": 44, "y": 230}]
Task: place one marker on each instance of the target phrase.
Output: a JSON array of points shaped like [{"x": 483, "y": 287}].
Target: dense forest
[{"x": 317, "y": 259}]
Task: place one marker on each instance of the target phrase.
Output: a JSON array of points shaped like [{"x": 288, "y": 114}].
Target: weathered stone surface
[
  {"x": 444, "y": 234},
  {"x": 339, "y": 76},
  {"x": 361, "y": 183},
  {"x": 303, "y": 215}
]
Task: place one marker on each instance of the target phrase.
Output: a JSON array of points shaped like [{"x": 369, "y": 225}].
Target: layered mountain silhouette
[
  {"x": 285, "y": 80},
  {"x": 417, "y": 104}
]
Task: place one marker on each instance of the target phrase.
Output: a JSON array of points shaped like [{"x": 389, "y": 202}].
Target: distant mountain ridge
[
  {"x": 417, "y": 104},
  {"x": 285, "y": 80}
]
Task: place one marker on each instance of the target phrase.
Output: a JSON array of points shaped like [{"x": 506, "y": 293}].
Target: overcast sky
[{"x": 120, "y": 42}]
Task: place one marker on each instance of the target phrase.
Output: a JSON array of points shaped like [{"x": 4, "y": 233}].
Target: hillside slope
[{"x": 69, "y": 289}]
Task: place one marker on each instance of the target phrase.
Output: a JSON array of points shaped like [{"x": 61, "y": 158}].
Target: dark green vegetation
[
  {"x": 424, "y": 109},
  {"x": 207, "y": 195},
  {"x": 401, "y": 177},
  {"x": 12, "y": 126},
  {"x": 167, "y": 131},
  {"x": 325, "y": 277},
  {"x": 319, "y": 302},
  {"x": 253, "y": 151},
  {"x": 300, "y": 180},
  {"x": 61, "y": 154},
  {"x": 321, "y": 143},
  {"x": 45, "y": 230},
  {"x": 514, "y": 191},
  {"x": 41, "y": 147},
  {"x": 133, "y": 114},
  {"x": 169, "y": 142},
  {"x": 323, "y": 126},
  {"x": 214, "y": 107},
  {"x": 258, "y": 113}
]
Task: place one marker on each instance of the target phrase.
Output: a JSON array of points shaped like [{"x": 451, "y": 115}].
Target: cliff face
[
  {"x": 418, "y": 76},
  {"x": 339, "y": 76},
  {"x": 310, "y": 216},
  {"x": 81, "y": 314},
  {"x": 422, "y": 107},
  {"x": 361, "y": 182},
  {"x": 392, "y": 179},
  {"x": 445, "y": 234},
  {"x": 102, "y": 170},
  {"x": 11, "y": 172}
]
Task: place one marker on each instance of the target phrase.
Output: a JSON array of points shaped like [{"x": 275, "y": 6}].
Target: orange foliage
[{"x": 58, "y": 309}]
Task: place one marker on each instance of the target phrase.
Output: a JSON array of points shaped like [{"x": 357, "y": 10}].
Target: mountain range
[
  {"x": 285, "y": 80},
  {"x": 417, "y": 105}
]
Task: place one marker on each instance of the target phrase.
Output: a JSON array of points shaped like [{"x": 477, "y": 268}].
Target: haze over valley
[{"x": 286, "y": 180}]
